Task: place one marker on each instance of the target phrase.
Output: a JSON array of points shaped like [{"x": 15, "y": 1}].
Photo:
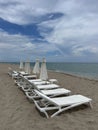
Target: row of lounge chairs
[{"x": 48, "y": 95}]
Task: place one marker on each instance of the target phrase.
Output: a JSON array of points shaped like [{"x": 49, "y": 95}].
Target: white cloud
[
  {"x": 73, "y": 28},
  {"x": 16, "y": 47},
  {"x": 25, "y": 12},
  {"x": 68, "y": 33},
  {"x": 74, "y": 34}
]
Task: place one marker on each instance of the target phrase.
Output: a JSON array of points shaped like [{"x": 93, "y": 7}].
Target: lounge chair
[
  {"x": 30, "y": 77},
  {"x": 40, "y": 83},
  {"x": 12, "y": 73},
  {"x": 24, "y": 76},
  {"x": 59, "y": 104},
  {"x": 15, "y": 75},
  {"x": 56, "y": 92},
  {"x": 53, "y": 80},
  {"x": 47, "y": 86},
  {"x": 23, "y": 73},
  {"x": 26, "y": 84},
  {"x": 19, "y": 75},
  {"x": 29, "y": 92},
  {"x": 50, "y": 80},
  {"x": 29, "y": 88},
  {"x": 50, "y": 92},
  {"x": 34, "y": 80}
]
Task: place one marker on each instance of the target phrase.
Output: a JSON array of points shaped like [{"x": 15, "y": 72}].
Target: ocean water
[{"x": 88, "y": 70}]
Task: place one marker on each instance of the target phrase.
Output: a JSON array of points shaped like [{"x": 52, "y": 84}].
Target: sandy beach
[{"x": 17, "y": 113}]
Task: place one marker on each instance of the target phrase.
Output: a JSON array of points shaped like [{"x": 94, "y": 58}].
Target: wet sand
[{"x": 17, "y": 113}]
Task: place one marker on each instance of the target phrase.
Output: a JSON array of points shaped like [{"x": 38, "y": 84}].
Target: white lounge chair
[
  {"x": 47, "y": 86},
  {"x": 27, "y": 78},
  {"x": 50, "y": 92},
  {"x": 12, "y": 73},
  {"x": 19, "y": 76},
  {"x": 59, "y": 104},
  {"x": 23, "y": 73},
  {"x": 56, "y": 92},
  {"x": 30, "y": 77},
  {"x": 25, "y": 85},
  {"x": 53, "y": 80},
  {"x": 38, "y": 82},
  {"x": 28, "y": 90},
  {"x": 50, "y": 80},
  {"x": 41, "y": 83},
  {"x": 23, "y": 77},
  {"x": 34, "y": 80},
  {"x": 15, "y": 75}
]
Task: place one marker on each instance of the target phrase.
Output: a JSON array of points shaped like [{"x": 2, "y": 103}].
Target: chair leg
[
  {"x": 66, "y": 108},
  {"x": 90, "y": 104}
]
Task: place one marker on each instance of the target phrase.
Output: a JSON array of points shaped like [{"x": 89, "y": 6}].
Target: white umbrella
[
  {"x": 21, "y": 65},
  {"x": 43, "y": 71},
  {"x": 36, "y": 67},
  {"x": 27, "y": 67}
]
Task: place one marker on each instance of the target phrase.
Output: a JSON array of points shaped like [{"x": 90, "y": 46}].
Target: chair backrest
[{"x": 45, "y": 97}]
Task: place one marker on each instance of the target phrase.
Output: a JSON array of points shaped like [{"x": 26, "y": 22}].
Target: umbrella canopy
[
  {"x": 27, "y": 67},
  {"x": 36, "y": 67},
  {"x": 21, "y": 65},
  {"x": 43, "y": 71}
]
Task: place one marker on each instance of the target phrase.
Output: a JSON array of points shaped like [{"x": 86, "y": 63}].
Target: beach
[{"x": 18, "y": 113}]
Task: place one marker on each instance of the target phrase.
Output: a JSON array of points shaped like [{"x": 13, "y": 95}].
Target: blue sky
[{"x": 60, "y": 30}]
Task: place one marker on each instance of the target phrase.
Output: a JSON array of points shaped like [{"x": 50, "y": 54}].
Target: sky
[{"x": 59, "y": 30}]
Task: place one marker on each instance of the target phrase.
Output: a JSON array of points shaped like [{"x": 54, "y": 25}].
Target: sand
[{"x": 17, "y": 113}]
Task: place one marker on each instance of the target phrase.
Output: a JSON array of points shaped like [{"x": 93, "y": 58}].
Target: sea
[{"x": 87, "y": 70}]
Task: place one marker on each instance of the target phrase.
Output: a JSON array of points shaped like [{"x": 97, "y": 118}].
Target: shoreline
[
  {"x": 77, "y": 76},
  {"x": 55, "y": 71}
]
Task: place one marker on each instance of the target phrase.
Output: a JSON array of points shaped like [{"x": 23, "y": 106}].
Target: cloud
[
  {"x": 73, "y": 36},
  {"x": 16, "y": 47},
  {"x": 25, "y": 12},
  {"x": 68, "y": 28}
]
